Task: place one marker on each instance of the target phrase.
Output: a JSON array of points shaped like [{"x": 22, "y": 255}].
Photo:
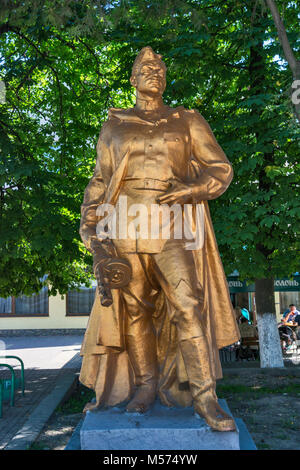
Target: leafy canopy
[{"x": 64, "y": 63}]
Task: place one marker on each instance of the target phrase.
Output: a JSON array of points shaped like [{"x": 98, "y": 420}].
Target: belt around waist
[{"x": 147, "y": 183}]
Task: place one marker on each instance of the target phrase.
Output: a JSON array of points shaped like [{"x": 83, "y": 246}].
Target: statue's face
[{"x": 150, "y": 78}]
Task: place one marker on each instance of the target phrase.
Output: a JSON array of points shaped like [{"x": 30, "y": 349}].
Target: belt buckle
[
  {"x": 151, "y": 183},
  {"x": 147, "y": 182}
]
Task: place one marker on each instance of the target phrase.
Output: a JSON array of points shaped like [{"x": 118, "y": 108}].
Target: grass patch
[
  {"x": 263, "y": 446},
  {"x": 282, "y": 437},
  {"x": 290, "y": 424},
  {"x": 37, "y": 446},
  {"x": 258, "y": 389},
  {"x": 77, "y": 401}
]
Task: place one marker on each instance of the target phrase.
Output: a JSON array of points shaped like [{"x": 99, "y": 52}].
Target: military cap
[{"x": 146, "y": 55}]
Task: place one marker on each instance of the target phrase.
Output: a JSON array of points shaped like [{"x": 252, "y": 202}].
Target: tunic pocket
[{"x": 172, "y": 137}]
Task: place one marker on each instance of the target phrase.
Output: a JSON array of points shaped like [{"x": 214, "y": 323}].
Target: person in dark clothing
[
  {"x": 289, "y": 315},
  {"x": 287, "y": 337},
  {"x": 297, "y": 320}
]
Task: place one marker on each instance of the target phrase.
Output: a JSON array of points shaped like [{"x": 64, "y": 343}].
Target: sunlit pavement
[{"x": 46, "y": 359}]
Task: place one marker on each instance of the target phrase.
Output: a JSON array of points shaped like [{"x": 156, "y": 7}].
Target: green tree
[
  {"x": 263, "y": 202},
  {"x": 289, "y": 54},
  {"x": 65, "y": 63},
  {"x": 58, "y": 89}
]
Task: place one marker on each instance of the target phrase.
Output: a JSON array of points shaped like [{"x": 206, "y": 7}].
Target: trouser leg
[
  {"x": 195, "y": 356},
  {"x": 177, "y": 275},
  {"x": 142, "y": 355},
  {"x": 139, "y": 297}
]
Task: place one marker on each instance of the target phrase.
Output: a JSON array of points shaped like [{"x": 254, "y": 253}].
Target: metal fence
[{"x": 228, "y": 354}]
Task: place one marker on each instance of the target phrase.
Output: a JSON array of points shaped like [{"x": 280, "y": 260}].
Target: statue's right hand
[
  {"x": 111, "y": 273},
  {"x": 104, "y": 291}
]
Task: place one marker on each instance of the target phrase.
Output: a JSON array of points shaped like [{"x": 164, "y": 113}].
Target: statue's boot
[
  {"x": 142, "y": 355},
  {"x": 202, "y": 384}
]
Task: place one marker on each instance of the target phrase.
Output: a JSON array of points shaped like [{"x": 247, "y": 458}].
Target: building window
[
  {"x": 6, "y": 305},
  {"x": 32, "y": 305},
  {"x": 80, "y": 301}
]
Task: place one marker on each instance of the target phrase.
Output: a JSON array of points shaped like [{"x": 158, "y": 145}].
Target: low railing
[{"x": 228, "y": 354}]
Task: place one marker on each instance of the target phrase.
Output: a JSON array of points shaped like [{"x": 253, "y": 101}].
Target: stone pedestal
[{"x": 161, "y": 428}]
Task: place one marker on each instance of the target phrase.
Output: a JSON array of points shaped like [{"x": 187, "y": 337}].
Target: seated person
[
  {"x": 287, "y": 336},
  {"x": 297, "y": 320},
  {"x": 246, "y": 330},
  {"x": 290, "y": 314}
]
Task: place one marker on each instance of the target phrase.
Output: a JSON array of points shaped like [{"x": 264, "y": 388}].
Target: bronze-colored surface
[
  {"x": 110, "y": 272},
  {"x": 117, "y": 272},
  {"x": 164, "y": 328}
]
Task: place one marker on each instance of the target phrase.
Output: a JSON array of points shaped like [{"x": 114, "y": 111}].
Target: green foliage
[
  {"x": 291, "y": 389},
  {"x": 65, "y": 63},
  {"x": 77, "y": 401}
]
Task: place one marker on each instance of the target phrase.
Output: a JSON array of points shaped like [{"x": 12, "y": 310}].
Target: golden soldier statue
[{"x": 159, "y": 334}]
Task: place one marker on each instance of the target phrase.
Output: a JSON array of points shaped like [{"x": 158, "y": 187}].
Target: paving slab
[
  {"x": 41, "y": 414},
  {"x": 51, "y": 365},
  {"x": 48, "y": 352}
]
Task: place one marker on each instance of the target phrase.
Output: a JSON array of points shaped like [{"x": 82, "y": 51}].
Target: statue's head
[{"x": 149, "y": 73}]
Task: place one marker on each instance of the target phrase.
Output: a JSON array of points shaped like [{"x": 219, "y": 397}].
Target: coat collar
[{"x": 130, "y": 115}]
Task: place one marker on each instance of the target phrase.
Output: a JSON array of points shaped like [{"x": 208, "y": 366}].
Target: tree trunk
[
  {"x": 269, "y": 342},
  {"x": 287, "y": 50}
]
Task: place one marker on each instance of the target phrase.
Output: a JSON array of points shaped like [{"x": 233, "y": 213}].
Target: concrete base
[{"x": 161, "y": 428}]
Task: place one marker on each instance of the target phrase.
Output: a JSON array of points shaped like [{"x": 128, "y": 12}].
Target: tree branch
[
  {"x": 60, "y": 96},
  {"x": 4, "y": 28},
  {"x": 288, "y": 52},
  {"x": 294, "y": 64},
  {"x": 27, "y": 75}
]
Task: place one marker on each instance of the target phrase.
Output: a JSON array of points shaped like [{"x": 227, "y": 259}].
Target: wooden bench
[
  {"x": 248, "y": 349},
  {"x": 250, "y": 341}
]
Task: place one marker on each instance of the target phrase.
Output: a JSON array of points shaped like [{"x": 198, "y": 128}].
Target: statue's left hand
[{"x": 179, "y": 193}]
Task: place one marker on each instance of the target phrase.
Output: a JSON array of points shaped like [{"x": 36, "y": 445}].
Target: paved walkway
[{"x": 51, "y": 364}]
